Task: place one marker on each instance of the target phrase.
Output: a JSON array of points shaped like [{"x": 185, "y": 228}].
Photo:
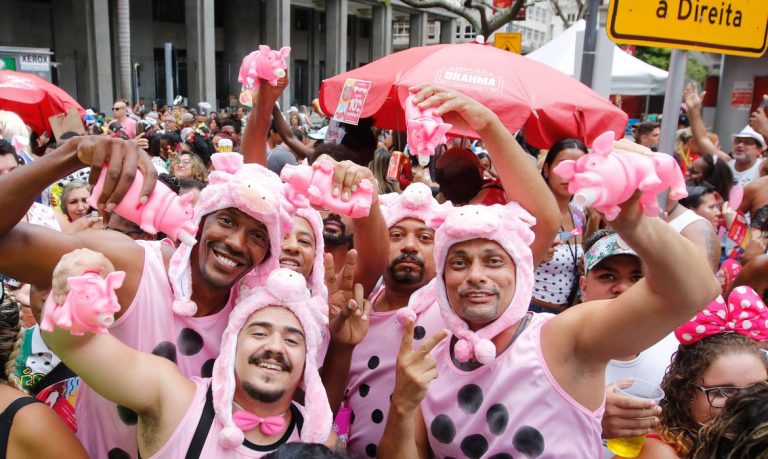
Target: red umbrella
[
  {"x": 546, "y": 103},
  {"x": 34, "y": 99}
]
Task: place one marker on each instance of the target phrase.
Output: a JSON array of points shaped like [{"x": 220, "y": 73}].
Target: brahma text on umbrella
[{"x": 696, "y": 10}]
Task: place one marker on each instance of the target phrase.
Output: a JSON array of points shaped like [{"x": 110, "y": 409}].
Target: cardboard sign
[
  {"x": 65, "y": 122},
  {"x": 352, "y": 101}
]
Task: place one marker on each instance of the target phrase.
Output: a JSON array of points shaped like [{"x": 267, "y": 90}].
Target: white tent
[{"x": 629, "y": 76}]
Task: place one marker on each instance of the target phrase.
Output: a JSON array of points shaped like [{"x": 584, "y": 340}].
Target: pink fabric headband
[{"x": 745, "y": 314}]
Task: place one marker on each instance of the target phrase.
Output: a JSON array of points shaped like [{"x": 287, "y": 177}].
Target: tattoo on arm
[{"x": 712, "y": 246}]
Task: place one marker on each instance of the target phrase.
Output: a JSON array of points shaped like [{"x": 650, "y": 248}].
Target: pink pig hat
[
  {"x": 287, "y": 289},
  {"x": 248, "y": 187},
  {"x": 509, "y": 226},
  {"x": 415, "y": 202}
]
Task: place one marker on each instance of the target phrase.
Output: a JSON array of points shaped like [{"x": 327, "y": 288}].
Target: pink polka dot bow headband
[{"x": 745, "y": 314}]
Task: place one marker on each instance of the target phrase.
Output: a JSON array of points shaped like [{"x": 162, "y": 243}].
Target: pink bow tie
[
  {"x": 745, "y": 314},
  {"x": 270, "y": 425}
]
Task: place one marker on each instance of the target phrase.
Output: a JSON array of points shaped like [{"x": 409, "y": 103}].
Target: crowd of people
[{"x": 475, "y": 311}]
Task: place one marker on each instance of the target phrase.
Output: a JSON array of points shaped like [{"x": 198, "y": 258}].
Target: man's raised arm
[{"x": 519, "y": 177}]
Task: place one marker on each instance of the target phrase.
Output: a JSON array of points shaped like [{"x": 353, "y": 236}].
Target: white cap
[
  {"x": 319, "y": 134},
  {"x": 748, "y": 132}
]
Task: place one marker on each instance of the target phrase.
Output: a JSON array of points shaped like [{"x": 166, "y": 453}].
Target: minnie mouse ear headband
[
  {"x": 415, "y": 202},
  {"x": 249, "y": 188},
  {"x": 508, "y": 225},
  {"x": 287, "y": 289},
  {"x": 745, "y": 314}
]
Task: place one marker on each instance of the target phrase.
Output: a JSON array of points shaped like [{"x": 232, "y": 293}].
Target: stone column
[
  {"x": 448, "y": 31},
  {"x": 99, "y": 51},
  {"x": 336, "y": 37},
  {"x": 278, "y": 32},
  {"x": 381, "y": 38},
  {"x": 418, "y": 33},
  {"x": 201, "y": 52}
]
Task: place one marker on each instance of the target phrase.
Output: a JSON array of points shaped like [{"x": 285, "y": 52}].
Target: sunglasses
[{"x": 118, "y": 108}]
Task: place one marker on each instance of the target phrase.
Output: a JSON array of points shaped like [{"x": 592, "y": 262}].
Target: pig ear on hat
[{"x": 603, "y": 144}]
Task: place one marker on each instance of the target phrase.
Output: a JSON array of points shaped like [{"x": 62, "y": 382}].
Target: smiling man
[
  {"x": 241, "y": 224},
  {"x": 514, "y": 382},
  {"x": 245, "y": 409}
]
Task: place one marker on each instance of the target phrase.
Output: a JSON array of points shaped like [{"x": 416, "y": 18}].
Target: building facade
[{"x": 101, "y": 50}]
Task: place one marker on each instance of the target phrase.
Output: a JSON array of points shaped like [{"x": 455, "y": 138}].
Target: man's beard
[
  {"x": 335, "y": 240},
  {"x": 262, "y": 395},
  {"x": 407, "y": 276}
]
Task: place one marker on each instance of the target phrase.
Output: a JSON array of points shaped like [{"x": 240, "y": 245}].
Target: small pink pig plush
[
  {"x": 315, "y": 183},
  {"x": 603, "y": 179},
  {"x": 164, "y": 211},
  {"x": 425, "y": 130},
  {"x": 265, "y": 63},
  {"x": 90, "y": 306}
]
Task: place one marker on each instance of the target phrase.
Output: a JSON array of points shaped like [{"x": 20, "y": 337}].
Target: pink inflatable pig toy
[
  {"x": 425, "y": 130},
  {"x": 90, "y": 306},
  {"x": 266, "y": 64},
  {"x": 315, "y": 183},
  {"x": 603, "y": 179},
  {"x": 164, "y": 211}
]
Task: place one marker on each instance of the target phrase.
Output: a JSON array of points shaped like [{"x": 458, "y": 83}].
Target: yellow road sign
[
  {"x": 509, "y": 41},
  {"x": 737, "y": 27}
]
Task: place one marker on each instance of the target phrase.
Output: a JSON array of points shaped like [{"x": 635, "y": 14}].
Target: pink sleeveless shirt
[
  {"x": 512, "y": 407},
  {"x": 149, "y": 325},
  {"x": 178, "y": 444},
  {"x": 372, "y": 375}
]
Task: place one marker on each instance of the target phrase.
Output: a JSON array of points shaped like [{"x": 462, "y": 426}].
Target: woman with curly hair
[
  {"x": 719, "y": 357},
  {"x": 189, "y": 166},
  {"x": 24, "y": 422},
  {"x": 740, "y": 431}
]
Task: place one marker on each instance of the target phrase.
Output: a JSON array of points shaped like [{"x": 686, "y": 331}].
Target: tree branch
[
  {"x": 499, "y": 20},
  {"x": 560, "y": 13},
  {"x": 446, "y": 5}
]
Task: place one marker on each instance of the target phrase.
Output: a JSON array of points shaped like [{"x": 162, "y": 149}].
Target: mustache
[
  {"x": 221, "y": 247},
  {"x": 269, "y": 355},
  {"x": 335, "y": 219},
  {"x": 408, "y": 257},
  {"x": 491, "y": 291}
]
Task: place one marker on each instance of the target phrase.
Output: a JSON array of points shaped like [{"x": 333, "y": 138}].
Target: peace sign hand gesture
[
  {"x": 415, "y": 369},
  {"x": 348, "y": 310}
]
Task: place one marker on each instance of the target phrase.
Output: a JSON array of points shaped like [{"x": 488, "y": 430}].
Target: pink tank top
[
  {"x": 149, "y": 325},
  {"x": 178, "y": 444},
  {"x": 372, "y": 375},
  {"x": 512, "y": 407}
]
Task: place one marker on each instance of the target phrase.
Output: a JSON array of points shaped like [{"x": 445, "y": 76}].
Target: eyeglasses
[
  {"x": 185, "y": 162},
  {"x": 747, "y": 141},
  {"x": 118, "y": 108},
  {"x": 717, "y": 396}
]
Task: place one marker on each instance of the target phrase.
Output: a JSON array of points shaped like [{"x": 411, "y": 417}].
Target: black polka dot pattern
[
  {"x": 128, "y": 416},
  {"x": 502, "y": 456},
  {"x": 377, "y": 416},
  {"x": 364, "y": 389},
  {"x": 352, "y": 417},
  {"x": 442, "y": 429},
  {"x": 474, "y": 446},
  {"x": 373, "y": 362},
  {"x": 206, "y": 371},
  {"x": 117, "y": 453},
  {"x": 528, "y": 440},
  {"x": 166, "y": 350},
  {"x": 470, "y": 398},
  {"x": 189, "y": 342},
  {"x": 419, "y": 332},
  {"x": 370, "y": 450},
  {"x": 497, "y": 417}
]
